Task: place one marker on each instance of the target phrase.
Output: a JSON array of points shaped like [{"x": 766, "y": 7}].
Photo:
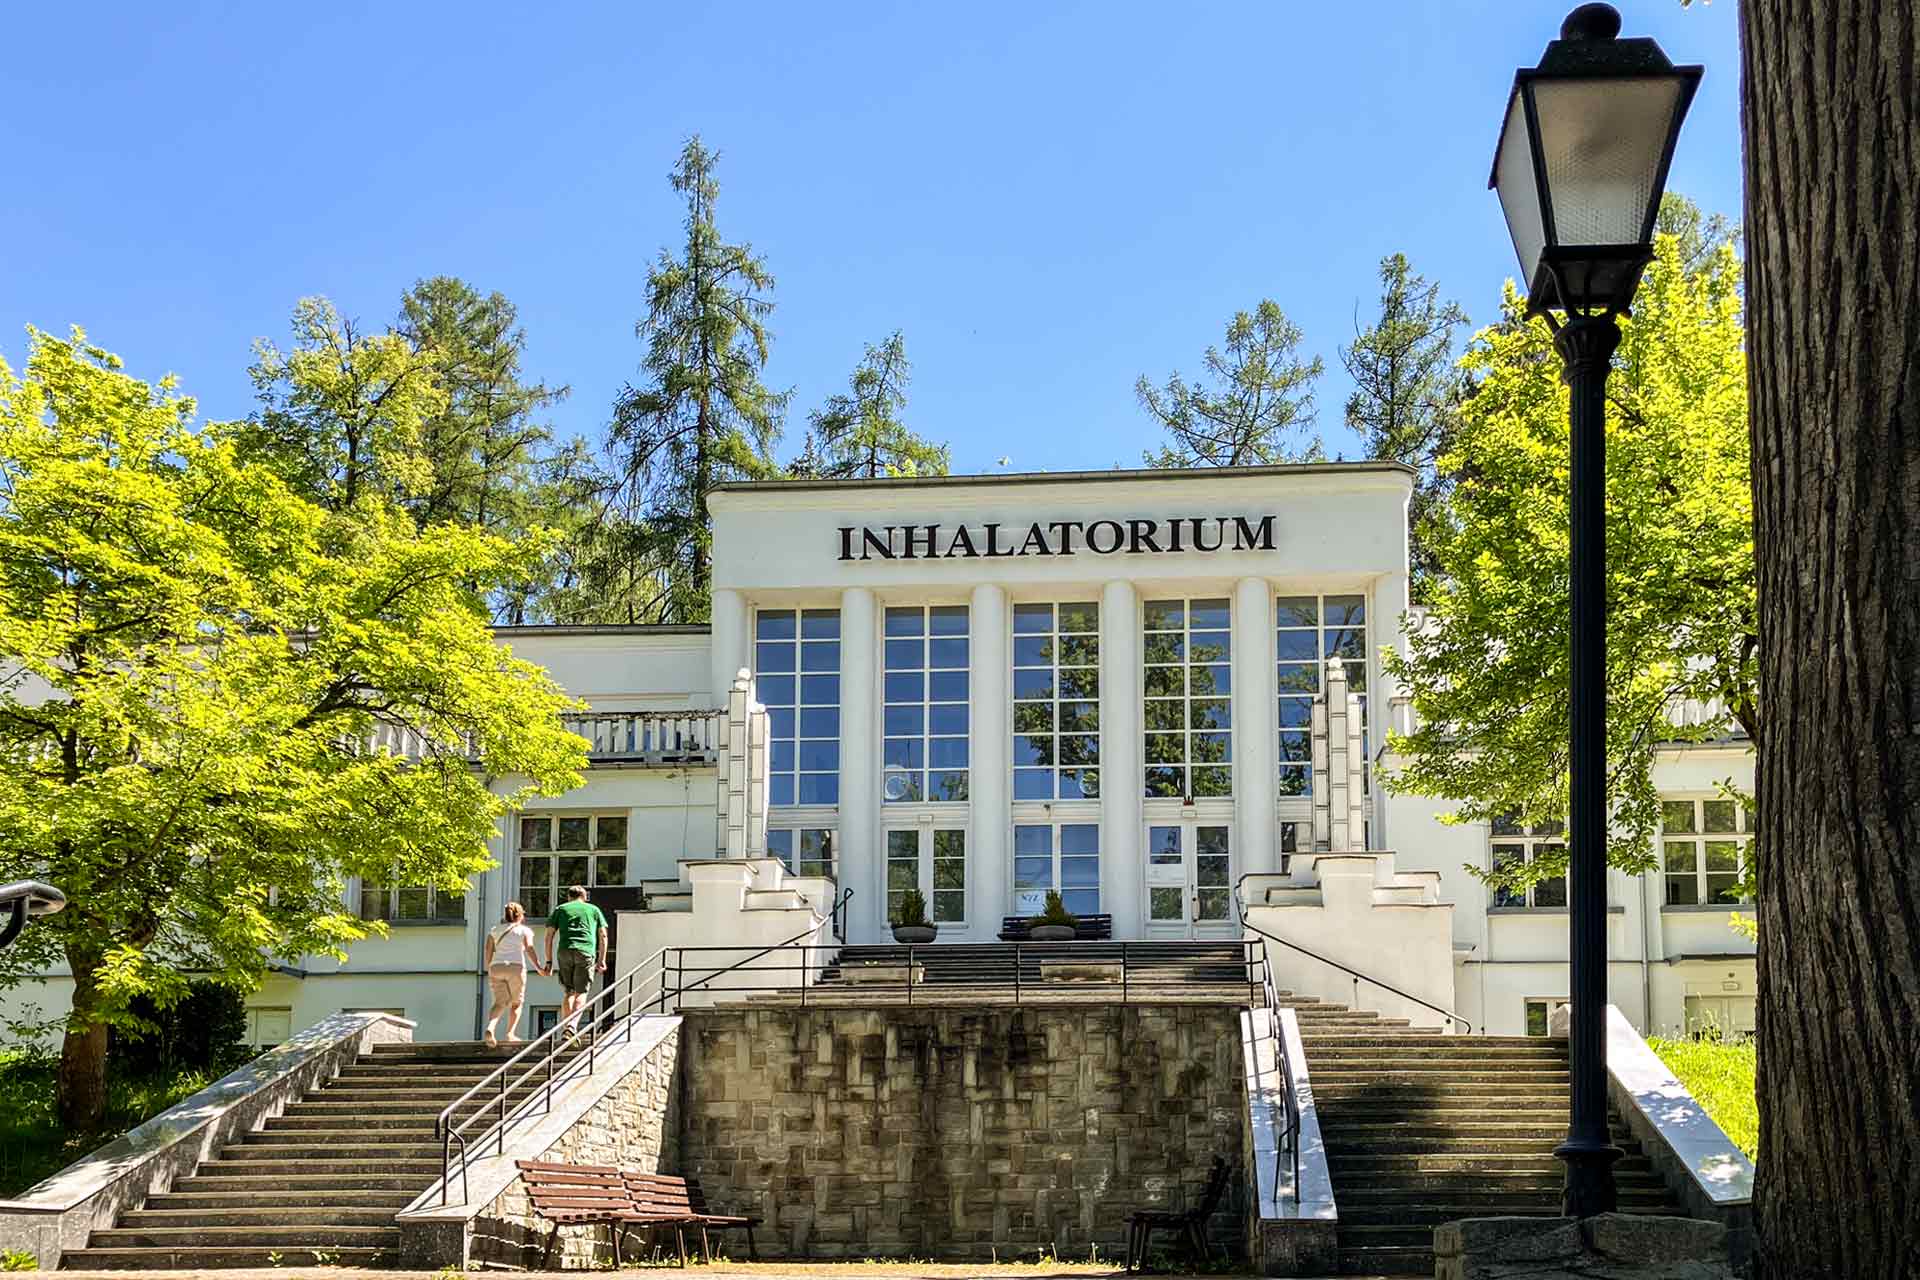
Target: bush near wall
[{"x": 1720, "y": 1076}]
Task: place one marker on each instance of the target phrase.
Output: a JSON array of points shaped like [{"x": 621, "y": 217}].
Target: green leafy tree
[
  {"x": 1256, "y": 406},
  {"x": 344, "y": 413},
  {"x": 200, "y": 669},
  {"x": 1406, "y": 392},
  {"x": 860, "y": 433},
  {"x": 1488, "y": 668},
  {"x": 701, "y": 418}
]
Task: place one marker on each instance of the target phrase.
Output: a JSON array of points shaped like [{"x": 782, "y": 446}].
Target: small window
[
  {"x": 1539, "y": 1015},
  {"x": 269, "y": 1026},
  {"x": 558, "y": 850},
  {"x": 412, "y": 904},
  {"x": 1704, "y": 848},
  {"x": 805, "y": 851},
  {"x": 1515, "y": 845}
]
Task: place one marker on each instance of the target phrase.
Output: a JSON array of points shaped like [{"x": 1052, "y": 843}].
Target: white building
[{"x": 1100, "y": 682}]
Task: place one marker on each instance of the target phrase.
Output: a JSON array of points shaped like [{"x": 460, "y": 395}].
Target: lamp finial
[{"x": 1591, "y": 22}]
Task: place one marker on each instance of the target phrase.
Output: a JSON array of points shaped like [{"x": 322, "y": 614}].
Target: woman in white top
[{"x": 509, "y": 951}]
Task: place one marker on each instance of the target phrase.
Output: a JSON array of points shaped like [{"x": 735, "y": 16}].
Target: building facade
[{"x": 987, "y": 688}]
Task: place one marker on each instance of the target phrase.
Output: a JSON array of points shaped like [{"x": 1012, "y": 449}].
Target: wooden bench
[
  {"x": 1085, "y": 929},
  {"x": 678, "y": 1202},
  {"x": 1190, "y": 1224},
  {"x": 579, "y": 1195}
]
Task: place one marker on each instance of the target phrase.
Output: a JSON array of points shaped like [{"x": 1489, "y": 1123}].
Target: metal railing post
[{"x": 1016, "y": 975}]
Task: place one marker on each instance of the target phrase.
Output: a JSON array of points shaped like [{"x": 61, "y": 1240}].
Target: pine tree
[
  {"x": 1258, "y": 410},
  {"x": 860, "y": 433},
  {"x": 1405, "y": 392},
  {"x": 702, "y": 417}
]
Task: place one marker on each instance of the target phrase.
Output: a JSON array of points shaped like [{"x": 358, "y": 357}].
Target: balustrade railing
[{"x": 613, "y": 737}]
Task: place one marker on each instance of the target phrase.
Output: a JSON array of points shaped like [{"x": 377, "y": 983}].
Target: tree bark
[
  {"x": 80, "y": 1090},
  {"x": 1831, "y": 105}
]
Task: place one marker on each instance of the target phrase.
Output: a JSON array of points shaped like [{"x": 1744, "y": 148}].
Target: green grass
[
  {"x": 1720, "y": 1078},
  {"x": 32, "y": 1143}
]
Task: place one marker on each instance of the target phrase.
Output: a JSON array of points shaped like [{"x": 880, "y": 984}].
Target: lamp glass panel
[
  {"x": 1602, "y": 140},
  {"x": 1519, "y": 195}
]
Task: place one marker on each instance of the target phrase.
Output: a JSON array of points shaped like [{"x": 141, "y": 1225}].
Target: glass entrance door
[{"x": 1190, "y": 880}]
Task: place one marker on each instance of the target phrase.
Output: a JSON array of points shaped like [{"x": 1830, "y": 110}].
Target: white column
[
  {"x": 1255, "y": 736},
  {"x": 1386, "y": 626},
  {"x": 1122, "y": 864},
  {"x": 988, "y": 762},
  {"x": 729, "y": 646},
  {"x": 859, "y": 852}
]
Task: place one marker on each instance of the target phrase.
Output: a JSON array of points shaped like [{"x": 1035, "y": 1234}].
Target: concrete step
[
  {"x": 215, "y": 1200},
  {"x": 1362, "y": 1101},
  {"x": 181, "y": 1257},
  {"x": 1416, "y": 1186},
  {"x": 259, "y": 1237},
  {"x": 283, "y": 1168},
  {"x": 1387, "y": 1261},
  {"x": 1429, "y": 1216},
  {"x": 1436, "y": 1073},
  {"x": 1382, "y": 1166},
  {"x": 354, "y": 1095},
  {"x": 297, "y": 1129},
  {"x": 1349, "y": 1135},
  {"x": 1371, "y": 1049},
  {"x": 275, "y": 1215},
  {"x": 251, "y": 1152},
  {"x": 1349, "y": 1147},
  {"x": 258, "y": 1180}
]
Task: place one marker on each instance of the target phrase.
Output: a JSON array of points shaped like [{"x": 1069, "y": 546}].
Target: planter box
[{"x": 1081, "y": 971}]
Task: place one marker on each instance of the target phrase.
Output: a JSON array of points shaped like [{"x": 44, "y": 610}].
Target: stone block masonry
[
  {"x": 962, "y": 1133},
  {"x": 634, "y": 1124}
]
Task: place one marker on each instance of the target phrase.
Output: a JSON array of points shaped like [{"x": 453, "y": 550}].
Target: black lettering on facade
[
  {"x": 1036, "y": 543},
  {"x": 1093, "y": 537},
  {"x": 1199, "y": 524},
  {"x": 1246, "y": 538},
  {"x": 1173, "y": 536},
  {"x": 1143, "y": 531},
  {"x": 869, "y": 544},
  {"x": 1066, "y": 529},
  {"x": 962, "y": 539},
  {"x": 846, "y": 544},
  {"x": 914, "y": 535},
  {"x": 993, "y": 543}
]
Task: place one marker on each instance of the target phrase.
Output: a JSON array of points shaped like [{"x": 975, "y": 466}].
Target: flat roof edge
[
  {"x": 603, "y": 629},
  {"x": 1065, "y": 477}
]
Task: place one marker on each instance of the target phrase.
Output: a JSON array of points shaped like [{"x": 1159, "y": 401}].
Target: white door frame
[{"x": 1184, "y": 876}]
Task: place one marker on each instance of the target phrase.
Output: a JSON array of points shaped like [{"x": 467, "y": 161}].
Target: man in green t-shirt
[{"x": 582, "y": 931}]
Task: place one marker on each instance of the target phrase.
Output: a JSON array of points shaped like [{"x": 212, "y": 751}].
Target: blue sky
[{"x": 1049, "y": 199}]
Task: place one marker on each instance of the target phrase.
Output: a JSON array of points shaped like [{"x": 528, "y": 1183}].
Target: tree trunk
[
  {"x": 81, "y": 1088},
  {"x": 1831, "y": 110}
]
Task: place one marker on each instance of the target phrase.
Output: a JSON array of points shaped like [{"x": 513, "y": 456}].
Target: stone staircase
[
  {"x": 1422, "y": 1128},
  {"x": 318, "y": 1185}
]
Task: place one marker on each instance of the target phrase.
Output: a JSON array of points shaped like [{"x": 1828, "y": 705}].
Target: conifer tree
[
  {"x": 701, "y": 416},
  {"x": 1258, "y": 408},
  {"x": 1405, "y": 391},
  {"x": 860, "y": 433}
]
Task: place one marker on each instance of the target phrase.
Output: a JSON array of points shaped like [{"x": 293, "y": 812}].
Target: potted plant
[
  {"x": 912, "y": 925},
  {"x": 1055, "y": 923}
]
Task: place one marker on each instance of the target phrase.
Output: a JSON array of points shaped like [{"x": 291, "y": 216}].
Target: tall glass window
[
  {"x": 1311, "y": 630},
  {"x": 1056, "y": 707},
  {"x": 806, "y": 851},
  {"x": 1188, "y": 648},
  {"x": 1063, "y": 856},
  {"x": 796, "y": 663},
  {"x": 935, "y": 863},
  {"x": 926, "y": 714}
]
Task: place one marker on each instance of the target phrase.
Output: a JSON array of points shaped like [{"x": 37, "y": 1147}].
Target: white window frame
[
  {"x": 926, "y": 737},
  {"x": 1531, "y": 841},
  {"x": 1185, "y": 699},
  {"x": 926, "y": 832},
  {"x": 1547, "y": 1005},
  {"x": 392, "y": 916},
  {"x": 1086, "y": 774},
  {"x": 593, "y": 855},
  {"x": 1329, "y": 640},
  {"x": 805, "y": 706},
  {"x": 796, "y": 838},
  {"x": 1057, "y": 856},
  {"x": 1741, "y": 837}
]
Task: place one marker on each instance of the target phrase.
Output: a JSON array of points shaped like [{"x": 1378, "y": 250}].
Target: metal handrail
[
  {"x": 557, "y": 1039},
  {"x": 846, "y": 895},
  {"x": 1358, "y": 976}
]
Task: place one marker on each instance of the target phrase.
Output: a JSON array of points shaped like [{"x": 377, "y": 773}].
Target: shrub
[
  {"x": 913, "y": 910},
  {"x": 1055, "y": 911},
  {"x": 201, "y": 1032}
]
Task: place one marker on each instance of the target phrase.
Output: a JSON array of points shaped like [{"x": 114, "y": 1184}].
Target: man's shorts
[{"x": 575, "y": 969}]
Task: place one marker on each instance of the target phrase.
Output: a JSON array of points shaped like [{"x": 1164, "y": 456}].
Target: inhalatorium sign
[{"x": 1057, "y": 538}]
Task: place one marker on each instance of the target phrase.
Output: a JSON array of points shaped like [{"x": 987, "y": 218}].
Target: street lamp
[{"x": 1582, "y": 161}]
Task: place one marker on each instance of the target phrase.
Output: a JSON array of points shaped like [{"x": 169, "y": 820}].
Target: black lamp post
[{"x": 1581, "y": 164}]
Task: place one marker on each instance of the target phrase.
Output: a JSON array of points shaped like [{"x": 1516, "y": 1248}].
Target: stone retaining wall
[
  {"x": 962, "y": 1133},
  {"x": 635, "y": 1125}
]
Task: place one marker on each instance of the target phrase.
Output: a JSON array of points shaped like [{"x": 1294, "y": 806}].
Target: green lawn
[
  {"x": 1720, "y": 1078},
  {"x": 32, "y": 1143}
]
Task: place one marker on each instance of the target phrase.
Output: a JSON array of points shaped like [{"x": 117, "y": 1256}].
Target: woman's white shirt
[{"x": 513, "y": 944}]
